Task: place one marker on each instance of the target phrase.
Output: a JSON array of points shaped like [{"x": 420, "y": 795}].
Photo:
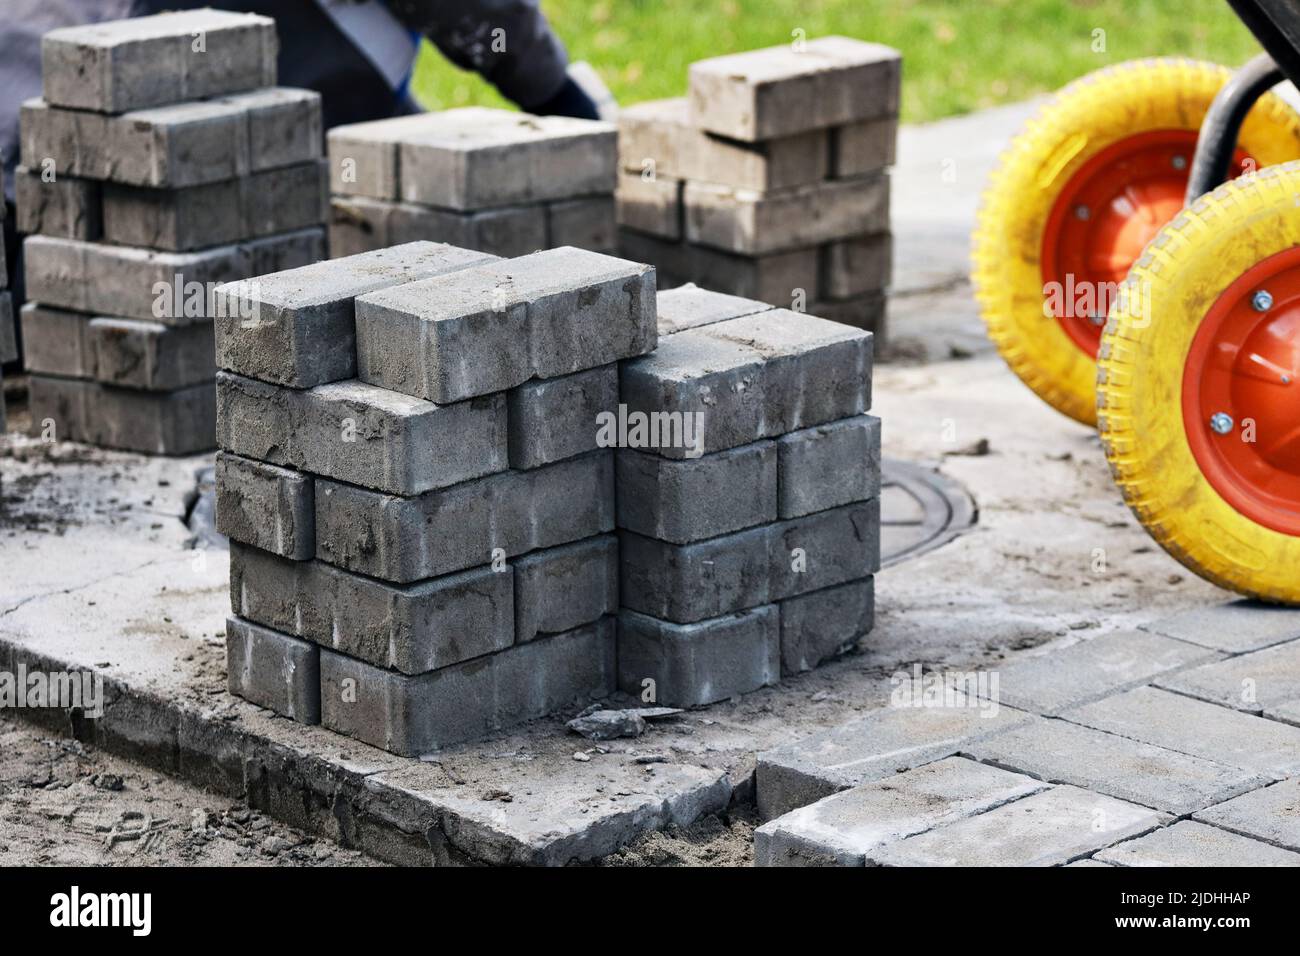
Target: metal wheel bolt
[
  {"x": 1180, "y": 162},
  {"x": 1262, "y": 301},
  {"x": 1081, "y": 212},
  {"x": 1221, "y": 423}
]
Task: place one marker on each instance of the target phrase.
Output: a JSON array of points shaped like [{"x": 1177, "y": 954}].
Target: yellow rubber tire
[
  {"x": 1084, "y": 118},
  {"x": 1141, "y": 364}
]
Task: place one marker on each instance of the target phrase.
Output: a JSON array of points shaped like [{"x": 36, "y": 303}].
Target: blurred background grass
[{"x": 958, "y": 55}]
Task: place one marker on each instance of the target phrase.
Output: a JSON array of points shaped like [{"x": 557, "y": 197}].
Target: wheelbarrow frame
[{"x": 1276, "y": 25}]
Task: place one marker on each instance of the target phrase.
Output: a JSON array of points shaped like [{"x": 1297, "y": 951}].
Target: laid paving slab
[
  {"x": 1196, "y": 727},
  {"x": 1082, "y": 672},
  {"x": 1188, "y": 843},
  {"x": 845, "y": 829},
  {"x": 1251, "y": 682},
  {"x": 1060, "y": 752},
  {"x": 1047, "y": 829},
  {"x": 1089, "y": 861},
  {"x": 1234, "y": 627},
  {"x": 1271, "y": 814},
  {"x": 1287, "y": 712},
  {"x": 875, "y": 745}
]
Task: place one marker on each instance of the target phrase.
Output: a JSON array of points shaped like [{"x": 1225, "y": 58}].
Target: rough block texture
[
  {"x": 847, "y": 828},
  {"x": 784, "y": 90},
  {"x": 414, "y": 715},
  {"x": 1057, "y": 751},
  {"x": 273, "y": 670},
  {"x": 698, "y": 663},
  {"x": 556, "y": 418},
  {"x": 297, "y": 327},
  {"x": 1252, "y": 682},
  {"x": 1188, "y": 843},
  {"x": 56, "y": 342},
  {"x": 1266, "y": 814},
  {"x": 688, "y": 583},
  {"x": 779, "y": 279},
  {"x": 824, "y": 549},
  {"x": 130, "y": 64},
  {"x": 558, "y": 589},
  {"x": 149, "y": 355},
  {"x": 368, "y": 436},
  {"x": 495, "y": 326},
  {"x": 1234, "y": 627},
  {"x": 413, "y": 629},
  {"x": 689, "y": 306},
  {"x": 872, "y": 747},
  {"x": 267, "y": 507},
  {"x": 358, "y": 224},
  {"x": 66, "y": 206},
  {"x": 697, "y": 498},
  {"x": 152, "y": 423},
  {"x": 753, "y": 223},
  {"x": 650, "y": 204},
  {"x": 1049, "y": 828},
  {"x": 822, "y": 624},
  {"x": 407, "y": 539},
  {"x": 828, "y": 465}
]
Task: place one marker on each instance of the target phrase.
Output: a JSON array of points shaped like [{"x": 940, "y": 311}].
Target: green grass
[{"x": 958, "y": 55}]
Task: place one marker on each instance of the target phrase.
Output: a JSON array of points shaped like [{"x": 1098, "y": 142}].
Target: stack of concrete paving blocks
[
  {"x": 768, "y": 180},
  {"x": 412, "y": 478},
  {"x": 8, "y": 343},
  {"x": 493, "y": 180},
  {"x": 161, "y": 160},
  {"x": 749, "y": 522}
]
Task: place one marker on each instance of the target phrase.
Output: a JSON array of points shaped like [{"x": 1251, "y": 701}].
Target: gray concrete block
[
  {"x": 814, "y": 371},
  {"x": 683, "y": 584},
  {"x": 1049, "y": 828},
  {"x": 363, "y": 157},
  {"x": 753, "y": 223},
  {"x": 1251, "y": 682},
  {"x": 558, "y": 589},
  {"x": 1195, "y": 727},
  {"x": 8, "y": 337},
  {"x": 284, "y": 126},
  {"x": 651, "y": 205},
  {"x": 824, "y": 549},
  {"x": 296, "y": 328},
  {"x": 367, "y": 436},
  {"x": 689, "y": 306},
  {"x": 588, "y": 222},
  {"x": 478, "y": 158},
  {"x": 823, "y": 624},
  {"x": 358, "y": 224},
  {"x": 149, "y": 355},
  {"x": 1188, "y": 843},
  {"x": 56, "y": 342},
  {"x": 412, "y": 629},
  {"x": 1061, "y": 752},
  {"x": 861, "y": 148},
  {"x": 180, "y": 422},
  {"x": 1266, "y": 814},
  {"x": 273, "y": 670},
  {"x": 405, "y": 539},
  {"x": 495, "y": 326},
  {"x": 847, "y": 828},
  {"x": 828, "y": 465},
  {"x": 875, "y": 746},
  {"x": 856, "y": 266},
  {"x": 65, "y": 206},
  {"x": 697, "y": 498},
  {"x": 701, "y": 663},
  {"x": 867, "y": 312},
  {"x": 122, "y": 65},
  {"x": 1234, "y": 627},
  {"x": 260, "y": 204},
  {"x": 135, "y": 283},
  {"x": 265, "y": 506},
  {"x": 411, "y": 715},
  {"x": 658, "y": 136},
  {"x": 782, "y": 278},
  {"x": 1067, "y": 677},
  {"x": 782, "y": 90},
  {"x": 552, "y": 419}
]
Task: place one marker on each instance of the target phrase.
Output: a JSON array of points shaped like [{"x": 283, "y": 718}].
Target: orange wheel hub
[
  {"x": 1241, "y": 394},
  {"x": 1103, "y": 219}
]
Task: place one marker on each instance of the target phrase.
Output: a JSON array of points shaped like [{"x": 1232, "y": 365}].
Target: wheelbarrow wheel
[
  {"x": 1083, "y": 187},
  {"x": 1198, "y": 396}
]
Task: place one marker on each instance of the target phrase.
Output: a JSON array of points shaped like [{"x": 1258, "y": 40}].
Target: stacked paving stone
[
  {"x": 748, "y": 546},
  {"x": 161, "y": 160},
  {"x": 493, "y": 180},
  {"x": 419, "y": 510},
  {"x": 8, "y": 343},
  {"x": 768, "y": 180}
]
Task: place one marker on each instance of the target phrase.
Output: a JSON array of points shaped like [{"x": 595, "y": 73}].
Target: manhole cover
[{"x": 920, "y": 509}]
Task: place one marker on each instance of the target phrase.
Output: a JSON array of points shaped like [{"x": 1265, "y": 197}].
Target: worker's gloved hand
[{"x": 570, "y": 100}]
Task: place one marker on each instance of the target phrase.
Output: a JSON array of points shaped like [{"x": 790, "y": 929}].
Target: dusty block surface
[
  {"x": 1234, "y": 627},
  {"x": 265, "y": 506},
  {"x": 273, "y": 670},
  {"x": 1188, "y": 843},
  {"x": 822, "y": 624}
]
